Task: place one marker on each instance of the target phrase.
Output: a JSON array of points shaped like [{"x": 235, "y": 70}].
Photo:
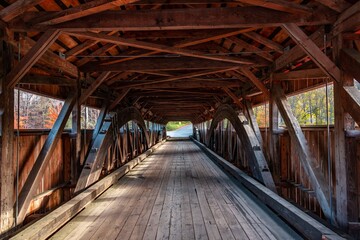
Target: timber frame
[{"x": 148, "y": 62}]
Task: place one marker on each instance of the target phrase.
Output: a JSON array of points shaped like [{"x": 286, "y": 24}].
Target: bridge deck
[{"x": 177, "y": 193}]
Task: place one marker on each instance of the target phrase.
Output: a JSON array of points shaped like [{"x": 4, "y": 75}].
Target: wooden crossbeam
[
  {"x": 259, "y": 84},
  {"x": 190, "y": 18},
  {"x": 119, "y": 98},
  {"x": 300, "y": 74},
  {"x": 263, "y": 40},
  {"x": 314, "y": 52},
  {"x": 34, "y": 178},
  {"x": 323, "y": 62},
  {"x": 337, "y": 5},
  {"x": 156, "y": 47},
  {"x": 80, "y": 11},
  {"x": 313, "y": 171},
  {"x": 99, "y": 52},
  {"x": 45, "y": 41},
  {"x": 251, "y": 47},
  {"x": 280, "y": 5},
  {"x": 161, "y": 64},
  {"x": 47, "y": 80},
  {"x": 348, "y": 21},
  {"x": 49, "y": 59},
  {"x": 99, "y": 80},
  {"x": 178, "y": 77},
  {"x": 188, "y": 43},
  {"x": 233, "y": 97},
  {"x": 188, "y": 83},
  {"x": 17, "y": 8},
  {"x": 71, "y": 54},
  {"x": 297, "y": 52}
]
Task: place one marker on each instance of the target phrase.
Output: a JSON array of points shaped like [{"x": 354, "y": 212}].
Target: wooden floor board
[{"x": 176, "y": 193}]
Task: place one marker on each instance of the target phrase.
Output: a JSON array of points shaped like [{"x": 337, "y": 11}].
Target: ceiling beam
[
  {"x": 191, "y": 42},
  {"x": 336, "y": 5},
  {"x": 233, "y": 97},
  {"x": 290, "y": 57},
  {"x": 348, "y": 21},
  {"x": 161, "y": 64},
  {"x": 250, "y": 47},
  {"x": 156, "y": 47},
  {"x": 178, "y": 77},
  {"x": 280, "y": 5},
  {"x": 190, "y": 18},
  {"x": 257, "y": 82},
  {"x": 47, "y": 80},
  {"x": 313, "y": 51},
  {"x": 119, "y": 99},
  {"x": 300, "y": 74},
  {"x": 186, "y": 84},
  {"x": 34, "y": 54},
  {"x": 17, "y": 8},
  {"x": 81, "y": 11},
  {"x": 98, "y": 81},
  {"x": 265, "y": 41},
  {"x": 48, "y": 59}
]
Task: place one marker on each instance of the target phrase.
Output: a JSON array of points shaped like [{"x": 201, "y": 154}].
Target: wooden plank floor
[{"x": 176, "y": 193}]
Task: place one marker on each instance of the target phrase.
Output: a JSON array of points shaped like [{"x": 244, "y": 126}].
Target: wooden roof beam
[
  {"x": 175, "y": 78},
  {"x": 250, "y": 47},
  {"x": 47, "y": 80},
  {"x": 236, "y": 100},
  {"x": 34, "y": 54},
  {"x": 191, "y": 18},
  {"x": 300, "y": 74},
  {"x": 187, "y": 83},
  {"x": 313, "y": 51},
  {"x": 119, "y": 98},
  {"x": 49, "y": 58},
  {"x": 188, "y": 43},
  {"x": 280, "y": 5},
  {"x": 157, "y": 47},
  {"x": 348, "y": 21},
  {"x": 17, "y": 8},
  {"x": 337, "y": 5},
  {"x": 87, "y": 93},
  {"x": 297, "y": 52},
  {"x": 257, "y": 82},
  {"x": 161, "y": 64},
  {"x": 99, "y": 52},
  {"x": 265, "y": 41},
  {"x": 80, "y": 11}
]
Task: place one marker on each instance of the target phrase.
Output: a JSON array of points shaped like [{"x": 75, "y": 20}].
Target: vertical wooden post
[
  {"x": 343, "y": 121},
  {"x": 7, "y": 173},
  {"x": 274, "y": 138},
  {"x": 76, "y": 133}
]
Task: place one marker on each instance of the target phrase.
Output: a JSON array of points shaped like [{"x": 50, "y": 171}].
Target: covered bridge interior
[{"x": 145, "y": 63}]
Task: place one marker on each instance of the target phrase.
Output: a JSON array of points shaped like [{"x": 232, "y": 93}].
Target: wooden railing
[
  {"x": 291, "y": 181},
  {"x": 58, "y": 182}
]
